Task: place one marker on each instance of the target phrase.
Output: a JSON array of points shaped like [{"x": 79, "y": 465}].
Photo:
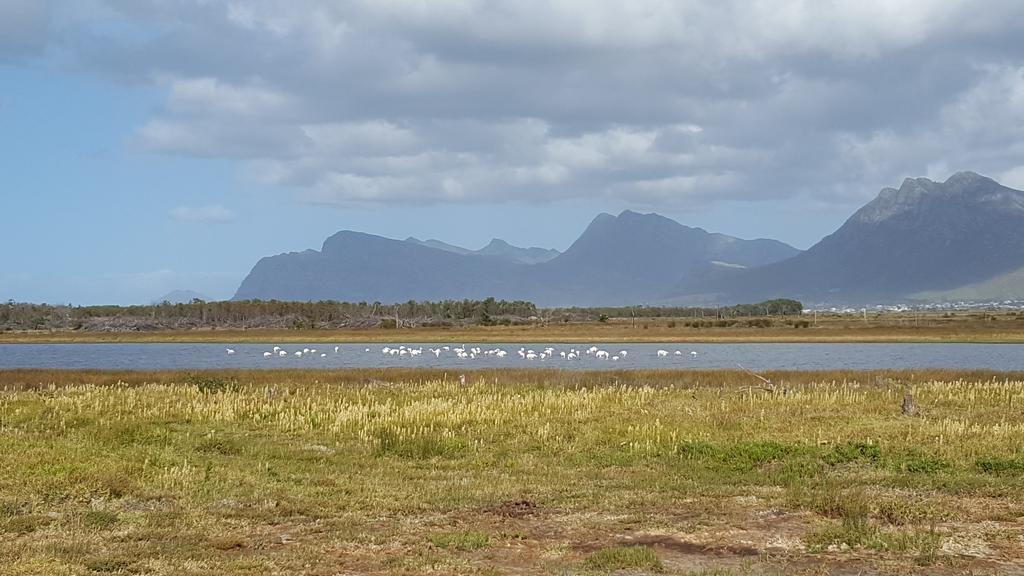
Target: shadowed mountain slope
[{"x": 923, "y": 237}]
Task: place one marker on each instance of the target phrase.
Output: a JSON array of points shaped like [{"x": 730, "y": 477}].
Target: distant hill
[
  {"x": 500, "y": 249},
  {"x": 637, "y": 258},
  {"x": 180, "y": 297},
  {"x": 923, "y": 241},
  {"x": 618, "y": 260},
  {"x": 355, "y": 267},
  {"x": 497, "y": 248},
  {"x": 439, "y": 245}
]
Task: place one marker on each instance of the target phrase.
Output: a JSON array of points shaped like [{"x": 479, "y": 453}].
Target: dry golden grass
[{"x": 410, "y": 472}]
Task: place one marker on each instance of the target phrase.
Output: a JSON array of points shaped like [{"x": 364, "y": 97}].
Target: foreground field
[
  {"x": 874, "y": 327},
  {"x": 414, "y": 472}
]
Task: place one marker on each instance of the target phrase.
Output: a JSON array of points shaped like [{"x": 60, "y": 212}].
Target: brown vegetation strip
[{"x": 42, "y": 378}]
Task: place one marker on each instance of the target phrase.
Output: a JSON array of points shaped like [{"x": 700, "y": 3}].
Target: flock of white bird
[{"x": 471, "y": 353}]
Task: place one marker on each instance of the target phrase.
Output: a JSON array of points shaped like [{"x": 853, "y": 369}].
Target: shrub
[
  {"x": 851, "y": 452},
  {"x": 749, "y": 455},
  {"x": 1000, "y": 466},
  {"x": 924, "y": 465}
]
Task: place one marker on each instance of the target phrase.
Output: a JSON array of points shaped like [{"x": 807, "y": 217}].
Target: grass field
[
  {"x": 875, "y": 327},
  {"x": 525, "y": 472}
]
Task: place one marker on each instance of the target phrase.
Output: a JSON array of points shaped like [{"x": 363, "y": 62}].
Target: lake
[{"x": 637, "y": 356}]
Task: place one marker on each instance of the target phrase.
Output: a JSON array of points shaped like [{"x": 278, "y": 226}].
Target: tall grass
[{"x": 135, "y": 467}]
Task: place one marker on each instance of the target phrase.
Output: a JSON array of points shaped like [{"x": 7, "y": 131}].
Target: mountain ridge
[
  {"x": 924, "y": 237},
  {"x": 356, "y": 266},
  {"x": 919, "y": 241}
]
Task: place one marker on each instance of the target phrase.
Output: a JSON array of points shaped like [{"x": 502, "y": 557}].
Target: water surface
[{"x": 781, "y": 356}]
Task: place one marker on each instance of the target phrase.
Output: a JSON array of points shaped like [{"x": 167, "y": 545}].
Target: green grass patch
[
  {"x": 419, "y": 445},
  {"x": 462, "y": 540},
  {"x": 853, "y": 452},
  {"x": 99, "y": 519},
  {"x": 1001, "y": 466},
  {"x": 624, "y": 558}
]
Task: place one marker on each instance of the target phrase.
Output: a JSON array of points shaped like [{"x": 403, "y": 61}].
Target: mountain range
[{"x": 962, "y": 238}]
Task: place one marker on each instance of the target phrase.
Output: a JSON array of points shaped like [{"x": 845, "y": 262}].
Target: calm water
[{"x": 750, "y": 356}]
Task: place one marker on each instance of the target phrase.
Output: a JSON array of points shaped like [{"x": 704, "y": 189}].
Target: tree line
[
  {"x": 331, "y": 314},
  {"x": 259, "y": 314},
  {"x": 776, "y": 307}
]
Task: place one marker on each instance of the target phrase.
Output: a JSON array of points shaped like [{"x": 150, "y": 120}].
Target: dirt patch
[
  {"x": 674, "y": 545},
  {"x": 514, "y": 509},
  {"x": 678, "y": 546}
]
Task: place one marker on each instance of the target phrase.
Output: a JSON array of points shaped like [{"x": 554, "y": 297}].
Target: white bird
[
  {"x": 662, "y": 353},
  {"x": 305, "y": 350},
  {"x": 531, "y": 355},
  {"x": 693, "y": 352},
  {"x": 678, "y": 353},
  {"x": 268, "y": 354},
  {"x": 277, "y": 349},
  {"x": 230, "y": 351},
  {"x": 282, "y": 353},
  {"x": 298, "y": 352},
  {"x": 336, "y": 348},
  {"x": 323, "y": 355},
  {"x": 623, "y": 353},
  {"x": 615, "y": 358},
  {"x": 367, "y": 349}
]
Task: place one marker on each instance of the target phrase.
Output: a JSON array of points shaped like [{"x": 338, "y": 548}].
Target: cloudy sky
[{"x": 149, "y": 145}]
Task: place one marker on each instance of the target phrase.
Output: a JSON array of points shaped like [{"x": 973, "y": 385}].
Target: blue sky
[{"x": 148, "y": 146}]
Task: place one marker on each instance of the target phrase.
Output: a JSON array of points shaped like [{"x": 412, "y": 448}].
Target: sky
[{"x": 153, "y": 145}]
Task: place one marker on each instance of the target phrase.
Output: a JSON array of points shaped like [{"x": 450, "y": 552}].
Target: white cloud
[
  {"x": 209, "y": 213},
  {"x": 651, "y": 102},
  {"x": 24, "y": 27},
  {"x": 1014, "y": 177},
  {"x": 212, "y": 96}
]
